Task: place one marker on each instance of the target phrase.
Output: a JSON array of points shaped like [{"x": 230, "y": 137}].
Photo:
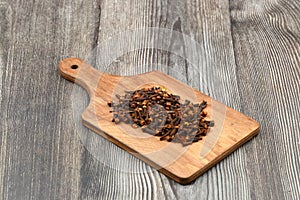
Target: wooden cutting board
[{"x": 183, "y": 164}]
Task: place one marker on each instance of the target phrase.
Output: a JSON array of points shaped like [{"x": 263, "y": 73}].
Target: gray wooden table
[{"x": 248, "y": 57}]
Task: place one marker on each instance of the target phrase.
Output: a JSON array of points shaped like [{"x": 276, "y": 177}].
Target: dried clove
[{"x": 162, "y": 114}]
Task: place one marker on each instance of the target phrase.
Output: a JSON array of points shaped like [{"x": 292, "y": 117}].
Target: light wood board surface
[
  {"x": 250, "y": 62},
  {"x": 181, "y": 163}
]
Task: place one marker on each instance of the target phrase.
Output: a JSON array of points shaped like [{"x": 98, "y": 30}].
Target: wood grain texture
[
  {"x": 183, "y": 164},
  {"x": 249, "y": 61}
]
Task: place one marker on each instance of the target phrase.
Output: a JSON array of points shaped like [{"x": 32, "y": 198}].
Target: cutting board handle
[{"x": 75, "y": 70}]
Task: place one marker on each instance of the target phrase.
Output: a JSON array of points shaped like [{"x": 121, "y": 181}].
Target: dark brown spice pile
[{"x": 161, "y": 114}]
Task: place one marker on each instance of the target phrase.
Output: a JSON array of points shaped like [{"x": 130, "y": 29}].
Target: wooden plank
[
  {"x": 267, "y": 49},
  {"x": 5, "y": 30},
  {"x": 40, "y": 157}
]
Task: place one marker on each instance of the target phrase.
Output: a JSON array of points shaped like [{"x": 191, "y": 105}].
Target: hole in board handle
[{"x": 74, "y": 66}]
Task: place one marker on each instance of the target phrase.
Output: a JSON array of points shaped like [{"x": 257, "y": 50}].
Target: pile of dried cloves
[{"x": 162, "y": 114}]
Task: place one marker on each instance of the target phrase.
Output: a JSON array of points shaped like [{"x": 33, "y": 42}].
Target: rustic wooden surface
[{"x": 249, "y": 61}]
